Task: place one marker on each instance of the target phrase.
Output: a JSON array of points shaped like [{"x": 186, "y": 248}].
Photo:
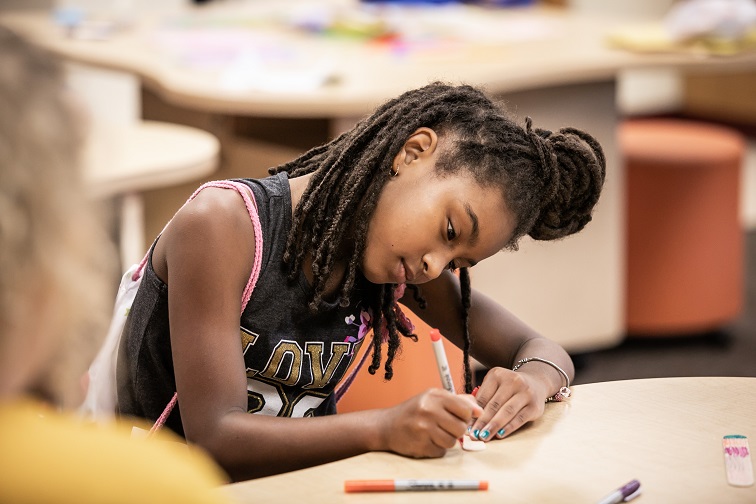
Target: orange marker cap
[{"x": 435, "y": 334}]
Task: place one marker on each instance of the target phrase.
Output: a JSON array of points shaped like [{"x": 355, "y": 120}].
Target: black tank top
[{"x": 294, "y": 358}]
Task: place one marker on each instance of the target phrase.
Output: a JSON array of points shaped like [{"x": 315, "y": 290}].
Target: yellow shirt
[{"x": 49, "y": 457}]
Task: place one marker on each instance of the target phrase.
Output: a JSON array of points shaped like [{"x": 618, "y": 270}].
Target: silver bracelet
[{"x": 564, "y": 392}]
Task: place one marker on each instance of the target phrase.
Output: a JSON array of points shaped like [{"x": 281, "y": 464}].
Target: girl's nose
[{"x": 433, "y": 265}]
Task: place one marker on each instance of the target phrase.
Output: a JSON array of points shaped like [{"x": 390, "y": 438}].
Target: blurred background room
[{"x": 659, "y": 284}]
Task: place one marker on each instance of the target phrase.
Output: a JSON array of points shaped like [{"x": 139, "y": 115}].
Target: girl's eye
[{"x": 450, "y": 233}]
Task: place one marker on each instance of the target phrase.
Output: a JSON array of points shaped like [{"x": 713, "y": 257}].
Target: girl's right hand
[{"x": 428, "y": 424}]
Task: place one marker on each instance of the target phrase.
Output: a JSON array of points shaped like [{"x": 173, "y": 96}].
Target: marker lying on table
[
  {"x": 622, "y": 494},
  {"x": 412, "y": 485}
]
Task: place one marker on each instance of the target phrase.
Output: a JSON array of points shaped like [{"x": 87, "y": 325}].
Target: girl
[{"x": 434, "y": 181}]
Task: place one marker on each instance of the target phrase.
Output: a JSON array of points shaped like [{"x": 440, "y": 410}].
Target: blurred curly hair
[{"x": 55, "y": 257}]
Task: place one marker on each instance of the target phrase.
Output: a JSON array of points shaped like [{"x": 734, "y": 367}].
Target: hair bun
[{"x": 574, "y": 169}]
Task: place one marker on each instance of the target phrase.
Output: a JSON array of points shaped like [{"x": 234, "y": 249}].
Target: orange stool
[
  {"x": 415, "y": 370},
  {"x": 684, "y": 238}
]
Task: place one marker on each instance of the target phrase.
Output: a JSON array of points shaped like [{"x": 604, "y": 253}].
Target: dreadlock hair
[{"x": 549, "y": 181}]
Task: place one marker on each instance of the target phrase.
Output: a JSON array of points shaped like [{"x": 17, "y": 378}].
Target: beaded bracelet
[{"x": 564, "y": 392}]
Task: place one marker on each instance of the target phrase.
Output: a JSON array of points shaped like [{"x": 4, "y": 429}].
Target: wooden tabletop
[
  {"x": 667, "y": 433},
  {"x": 144, "y": 155},
  {"x": 186, "y": 59}
]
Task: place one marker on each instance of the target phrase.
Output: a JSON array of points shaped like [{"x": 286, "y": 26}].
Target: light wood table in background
[{"x": 667, "y": 433}]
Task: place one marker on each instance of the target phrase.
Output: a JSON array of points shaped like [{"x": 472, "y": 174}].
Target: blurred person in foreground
[{"x": 55, "y": 295}]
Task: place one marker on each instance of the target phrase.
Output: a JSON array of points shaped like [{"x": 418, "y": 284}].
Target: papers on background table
[
  {"x": 716, "y": 27},
  {"x": 300, "y": 46}
]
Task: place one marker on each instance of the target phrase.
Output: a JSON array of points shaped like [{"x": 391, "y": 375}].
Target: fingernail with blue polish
[
  {"x": 484, "y": 434},
  {"x": 475, "y": 433},
  {"x": 501, "y": 432}
]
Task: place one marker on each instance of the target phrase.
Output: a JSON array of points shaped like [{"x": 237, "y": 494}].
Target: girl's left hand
[{"x": 509, "y": 400}]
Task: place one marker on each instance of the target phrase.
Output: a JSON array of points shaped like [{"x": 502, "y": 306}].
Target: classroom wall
[
  {"x": 729, "y": 98},
  {"x": 26, "y": 4}
]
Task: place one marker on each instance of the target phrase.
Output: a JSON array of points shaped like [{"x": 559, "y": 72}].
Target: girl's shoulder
[
  {"x": 213, "y": 210},
  {"x": 190, "y": 240}
]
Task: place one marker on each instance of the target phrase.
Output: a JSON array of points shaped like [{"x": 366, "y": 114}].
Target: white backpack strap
[{"x": 100, "y": 400}]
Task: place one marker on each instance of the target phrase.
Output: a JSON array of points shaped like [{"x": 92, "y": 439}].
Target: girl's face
[{"x": 424, "y": 223}]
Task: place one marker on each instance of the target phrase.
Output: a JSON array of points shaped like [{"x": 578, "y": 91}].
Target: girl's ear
[{"x": 422, "y": 143}]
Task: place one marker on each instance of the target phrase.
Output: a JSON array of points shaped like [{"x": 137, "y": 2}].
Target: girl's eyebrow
[{"x": 474, "y": 222}]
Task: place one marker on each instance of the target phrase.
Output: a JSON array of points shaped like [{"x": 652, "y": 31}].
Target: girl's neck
[{"x": 297, "y": 187}]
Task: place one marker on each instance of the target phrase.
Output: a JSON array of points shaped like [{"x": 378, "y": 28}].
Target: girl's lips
[
  {"x": 408, "y": 275},
  {"x": 400, "y": 273}
]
